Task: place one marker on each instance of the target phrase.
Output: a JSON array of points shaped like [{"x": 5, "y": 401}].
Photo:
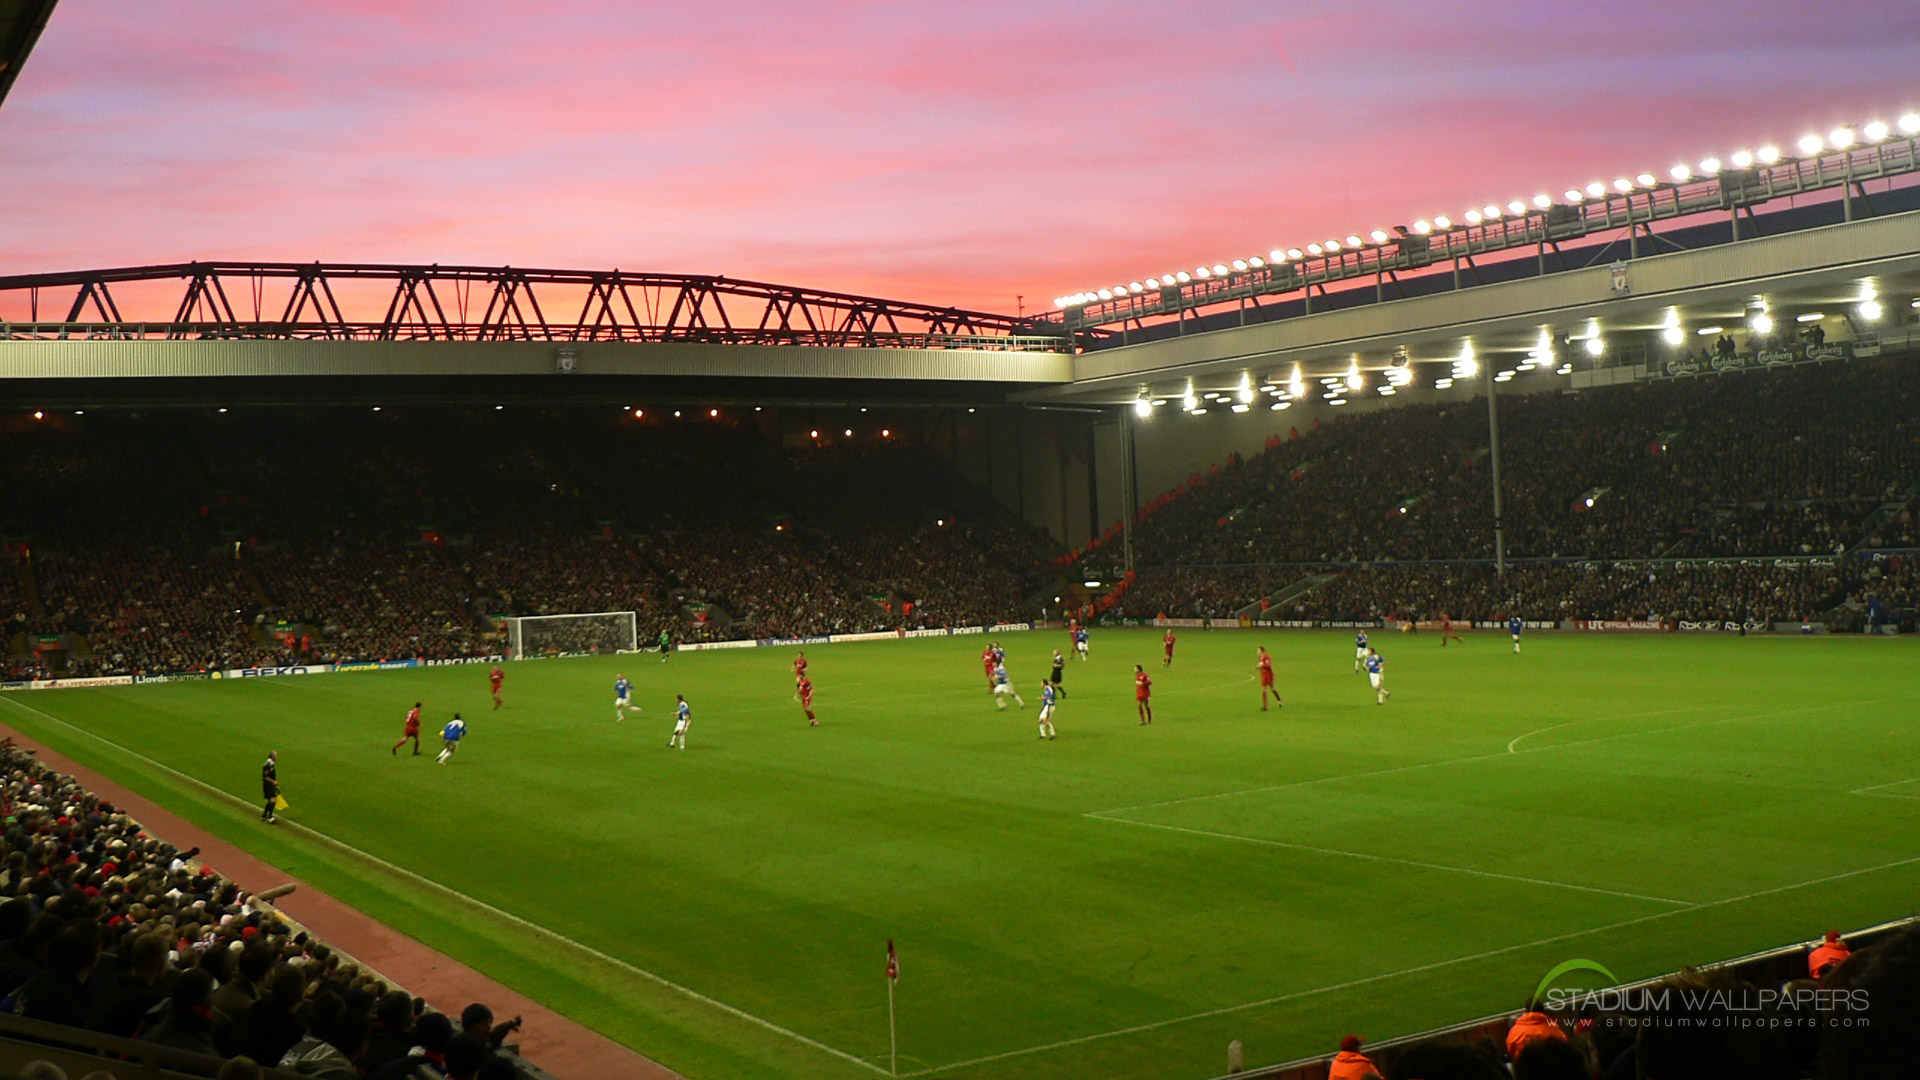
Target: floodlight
[
  {"x": 1280, "y": 406},
  {"x": 1490, "y": 212},
  {"x": 1473, "y": 217},
  {"x": 1761, "y": 323},
  {"x": 1353, "y": 241},
  {"x": 1278, "y": 255},
  {"x": 1314, "y": 249},
  {"x": 1645, "y": 179},
  {"x": 1841, "y": 138},
  {"x": 1245, "y": 395},
  {"x": 1810, "y": 144},
  {"x": 1105, "y": 294},
  {"x": 1767, "y": 155},
  {"x": 1183, "y": 277},
  {"x": 1293, "y": 253},
  {"x": 1809, "y": 317},
  {"x": 1542, "y": 201},
  {"x": 1202, "y": 273},
  {"x": 1681, "y": 173},
  {"x": 1189, "y": 402},
  {"x": 1710, "y": 331},
  {"x": 1153, "y": 283},
  {"x": 1239, "y": 264},
  {"x": 1596, "y": 189},
  {"x": 1673, "y": 335},
  {"x": 1742, "y": 159},
  {"x": 1355, "y": 381},
  {"x": 1423, "y": 227},
  {"x": 1516, "y": 208},
  {"x": 1574, "y": 195},
  {"x": 1256, "y": 262},
  {"x": 1119, "y": 290},
  {"x": 1443, "y": 222},
  {"x": 1378, "y": 236},
  {"x": 1134, "y": 287},
  {"x": 1623, "y": 185},
  {"x": 1331, "y": 245},
  {"x": 1141, "y": 407},
  {"x": 1220, "y": 269},
  {"x": 1870, "y": 310},
  {"x": 1596, "y": 346},
  {"x": 849, "y": 432},
  {"x": 1875, "y": 131},
  {"x": 1241, "y": 408},
  {"x": 1910, "y": 124},
  {"x": 1710, "y": 166}
]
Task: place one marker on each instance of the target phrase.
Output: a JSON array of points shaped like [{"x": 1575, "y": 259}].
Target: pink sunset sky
[{"x": 948, "y": 152}]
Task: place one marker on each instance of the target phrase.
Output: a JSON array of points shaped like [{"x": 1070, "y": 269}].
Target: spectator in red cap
[
  {"x": 1827, "y": 955},
  {"x": 1351, "y": 1064},
  {"x": 1529, "y": 1026}
]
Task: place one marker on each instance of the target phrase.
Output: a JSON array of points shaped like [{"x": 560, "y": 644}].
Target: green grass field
[{"x": 1120, "y": 902}]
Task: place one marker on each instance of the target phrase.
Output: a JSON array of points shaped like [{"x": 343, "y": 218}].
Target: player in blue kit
[
  {"x": 450, "y": 737},
  {"x": 622, "y": 697},
  {"x": 682, "y": 719},
  {"x": 1003, "y": 689},
  {"x": 1514, "y": 625},
  {"x": 1046, "y": 710},
  {"x": 1080, "y": 642},
  {"x": 1376, "y": 674},
  {"x": 1359, "y": 650}
]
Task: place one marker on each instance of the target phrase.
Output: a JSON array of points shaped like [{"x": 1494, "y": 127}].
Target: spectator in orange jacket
[
  {"x": 1529, "y": 1026},
  {"x": 1351, "y": 1064},
  {"x": 1827, "y": 955}
]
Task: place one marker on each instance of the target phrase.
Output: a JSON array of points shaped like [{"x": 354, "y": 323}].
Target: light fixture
[
  {"x": 1331, "y": 245},
  {"x": 223, "y": 408},
  {"x": 1810, "y": 145},
  {"x": 676, "y": 414},
  {"x": 1596, "y": 346},
  {"x": 1596, "y": 190},
  {"x": 1841, "y": 138},
  {"x": 1256, "y": 261},
  {"x": 1623, "y": 185},
  {"x": 1245, "y": 395},
  {"x": 1742, "y": 159},
  {"x": 1141, "y": 407},
  {"x": 1516, "y": 208},
  {"x": 716, "y": 412},
  {"x": 1673, "y": 335},
  {"x": 1219, "y": 269},
  {"x": 1189, "y": 402},
  {"x": 1153, "y": 283},
  {"x": 1767, "y": 155},
  {"x": 1159, "y": 401},
  {"x": 1870, "y": 310},
  {"x": 1241, "y": 408},
  {"x": 1423, "y": 226},
  {"x": 1710, "y": 166},
  {"x": 1761, "y": 323},
  {"x": 815, "y": 433},
  {"x": 1710, "y": 331},
  {"x": 1239, "y": 264},
  {"x": 1119, "y": 290},
  {"x": 1278, "y": 255},
  {"x": 1490, "y": 212},
  {"x": 1196, "y": 412},
  {"x": 1378, "y": 236},
  {"x": 1183, "y": 277},
  {"x": 1293, "y": 253},
  {"x": 885, "y": 433},
  {"x": 638, "y": 413},
  {"x": 1909, "y": 124},
  {"x": 1353, "y": 241},
  {"x": 1337, "y": 401},
  {"x": 1473, "y": 217},
  {"x": 1541, "y": 202},
  {"x": 1645, "y": 180},
  {"x": 1314, "y": 249},
  {"x": 848, "y": 432},
  {"x": 38, "y": 415},
  {"x": 1574, "y": 195},
  {"x": 1681, "y": 173},
  {"x": 1443, "y": 384},
  {"x": 1810, "y": 317},
  {"x": 1281, "y": 406},
  {"x": 1443, "y": 222}
]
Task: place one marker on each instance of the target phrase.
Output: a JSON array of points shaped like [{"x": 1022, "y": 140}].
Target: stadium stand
[{"x": 120, "y": 953}]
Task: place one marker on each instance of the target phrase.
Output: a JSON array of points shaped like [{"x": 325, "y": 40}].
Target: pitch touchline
[
  {"x": 1415, "y": 970},
  {"x": 1874, "y": 791},
  {"x": 1479, "y": 757},
  {"x": 508, "y": 916},
  {"x": 1389, "y": 859}
]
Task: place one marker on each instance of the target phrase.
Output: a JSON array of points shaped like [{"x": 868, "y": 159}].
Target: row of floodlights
[{"x": 1842, "y": 138}]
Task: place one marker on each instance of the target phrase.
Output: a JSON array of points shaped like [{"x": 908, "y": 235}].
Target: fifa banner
[{"x": 1620, "y": 624}]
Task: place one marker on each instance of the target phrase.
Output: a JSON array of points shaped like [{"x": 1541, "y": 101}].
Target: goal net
[{"x": 556, "y": 635}]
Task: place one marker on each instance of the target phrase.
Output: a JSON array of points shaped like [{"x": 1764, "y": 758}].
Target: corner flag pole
[{"x": 893, "y": 1039}]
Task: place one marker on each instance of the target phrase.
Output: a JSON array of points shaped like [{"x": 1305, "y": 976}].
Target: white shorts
[
  {"x": 620, "y": 702},
  {"x": 680, "y": 728},
  {"x": 1515, "y": 637},
  {"x": 1046, "y": 713},
  {"x": 1374, "y": 678},
  {"x": 1080, "y": 646},
  {"x": 1360, "y": 653},
  {"x": 1003, "y": 688}
]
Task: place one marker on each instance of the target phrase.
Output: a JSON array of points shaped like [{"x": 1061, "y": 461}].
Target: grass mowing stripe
[
  {"x": 456, "y": 894},
  {"x": 1389, "y": 859}
]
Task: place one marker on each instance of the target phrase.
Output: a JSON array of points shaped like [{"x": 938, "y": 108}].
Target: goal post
[{"x": 589, "y": 632}]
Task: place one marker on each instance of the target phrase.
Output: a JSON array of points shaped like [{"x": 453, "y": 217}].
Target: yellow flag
[{"x": 279, "y": 803}]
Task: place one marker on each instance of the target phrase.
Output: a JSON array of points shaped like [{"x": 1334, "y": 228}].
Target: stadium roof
[{"x": 20, "y": 24}]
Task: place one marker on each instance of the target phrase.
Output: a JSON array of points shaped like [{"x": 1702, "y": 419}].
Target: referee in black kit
[
  {"x": 1059, "y": 666},
  {"x": 270, "y": 785}
]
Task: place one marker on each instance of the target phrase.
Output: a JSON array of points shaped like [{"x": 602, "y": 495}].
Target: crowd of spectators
[{"x": 107, "y": 928}]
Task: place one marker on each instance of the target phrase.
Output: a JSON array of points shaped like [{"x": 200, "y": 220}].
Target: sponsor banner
[
  {"x": 743, "y": 643},
  {"x": 183, "y": 676},
  {"x": 90, "y": 680},
  {"x": 386, "y": 664},
  {"x": 295, "y": 669},
  {"x": 452, "y": 660},
  {"x": 1619, "y": 624},
  {"x": 1004, "y": 627},
  {"x": 1351, "y": 624},
  {"x": 1193, "y": 623},
  {"x": 871, "y": 635},
  {"x": 1800, "y": 627},
  {"x": 15, "y": 684},
  {"x": 958, "y": 630},
  {"x": 816, "y": 639},
  {"x": 1735, "y": 625},
  {"x": 356, "y": 665},
  {"x": 941, "y": 632}
]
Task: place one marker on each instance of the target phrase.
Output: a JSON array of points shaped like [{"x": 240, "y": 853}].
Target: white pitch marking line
[
  {"x": 1873, "y": 790},
  {"x": 508, "y": 916},
  {"x": 1393, "y": 859},
  {"x": 1415, "y": 970},
  {"x": 1479, "y": 757}
]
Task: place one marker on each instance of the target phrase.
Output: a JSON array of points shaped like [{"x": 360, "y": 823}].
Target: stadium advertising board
[
  {"x": 937, "y": 632},
  {"x": 91, "y": 680},
  {"x": 1620, "y": 624},
  {"x": 1749, "y": 626},
  {"x": 698, "y": 646},
  {"x": 1007, "y": 627},
  {"x": 269, "y": 672},
  {"x": 958, "y": 630}
]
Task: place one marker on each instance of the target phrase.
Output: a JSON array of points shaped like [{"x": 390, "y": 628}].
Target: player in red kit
[
  {"x": 799, "y": 673},
  {"x": 987, "y": 660},
  {"x": 1446, "y": 630},
  {"x": 805, "y": 689},
  {"x": 1266, "y": 681},
  {"x": 1167, "y": 661},
  {"x": 412, "y": 731},
  {"x": 1143, "y": 694},
  {"x": 496, "y": 677}
]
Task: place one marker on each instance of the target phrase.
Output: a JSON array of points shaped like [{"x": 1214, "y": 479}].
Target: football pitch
[{"x": 1120, "y": 902}]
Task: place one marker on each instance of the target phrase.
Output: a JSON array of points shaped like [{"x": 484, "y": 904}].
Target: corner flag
[{"x": 893, "y": 963}]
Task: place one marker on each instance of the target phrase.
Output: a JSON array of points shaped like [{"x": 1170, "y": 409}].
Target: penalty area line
[{"x": 482, "y": 905}]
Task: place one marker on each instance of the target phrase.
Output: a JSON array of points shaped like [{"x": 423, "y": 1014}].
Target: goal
[{"x": 558, "y": 635}]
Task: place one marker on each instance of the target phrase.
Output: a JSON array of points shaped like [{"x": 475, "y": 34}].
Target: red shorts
[
  {"x": 1266, "y": 678},
  {"x": 496, "y": 688},
  {"x": 412, "y": 732},
  {"x": 1141, "y": 698}
]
